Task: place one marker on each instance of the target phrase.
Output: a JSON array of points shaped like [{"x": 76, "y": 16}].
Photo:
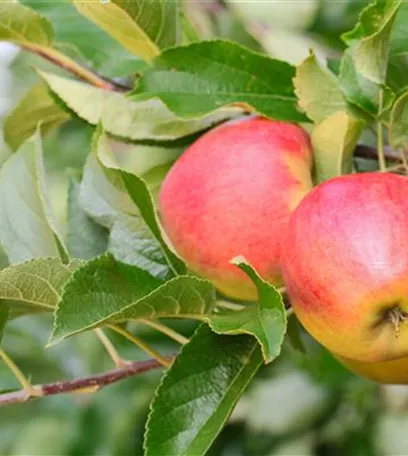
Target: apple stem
[
  {"x": 380, "y": 137},
  {"x": 396, "y": 317}
]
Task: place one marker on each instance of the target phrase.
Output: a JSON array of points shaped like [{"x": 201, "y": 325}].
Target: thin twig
[
  {"x": 141, "y": 344},
  {"x": 404, "y": 160},
  {"x": 110, "y": 348},
  {"x": 169, "y": 332},
  {"x": 94, "y": 381},
  {"x": 29, "y": 389},
  {"x": 363, "y": 151},
  {"x": 380, "y": 137},
  {"x": 87, "y": 75}
]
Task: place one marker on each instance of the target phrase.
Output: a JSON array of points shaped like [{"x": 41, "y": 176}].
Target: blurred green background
[{"x": 300, "y": 405}]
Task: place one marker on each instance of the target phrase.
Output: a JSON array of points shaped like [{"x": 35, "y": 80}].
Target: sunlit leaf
[
  {"x": 35, "y": 285},
  {"x": 200, "y": 78},
  {"x": 143, "y": 27},
  {"x": 398, "y": 133},
  {"x": 373, "y": 33},
  {"x": 126, "y": 118},
  {"x": 106, "y": 290},
  {"x": 334, "y": 140},
  {"x": 359, "y": 91},
  {"x": 265, "y": 320},
  {"x": 36, "y": 107},
  {"x": 20, "y": 24},
  {"x": 82, "y": 40},
  {"x": 318, "y": 90},
  {"x": 28, "y": 227}
]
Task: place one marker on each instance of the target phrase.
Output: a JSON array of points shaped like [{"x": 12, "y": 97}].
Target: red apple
[
  {"x": 345, "y": 265},
  {"x": 231, "y": 193}
]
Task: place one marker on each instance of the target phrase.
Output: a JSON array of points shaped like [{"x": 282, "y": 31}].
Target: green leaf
[
  {"x": 199, "y": 392},
  {"x": 83, "y": 40},
  {"x": 85, "y": 238},
  {"x": 104, "y": 197},
  {"x": 139, "y": 194},
  {"x": 293, "y": 332},
  {"x": 318, "y": 90},
  {"x": 358, "y": 90},
  {"x": 28, "y": 228},
  {"x": 36, "y": 107},
  {"x": 190, "y": 31},
  {"x": 398, "y": 132},
  {"x": 120, "y": 116},
  {"x": 131, "y": 241},
  {"x": 265, "y": 320},
  {"x": 36, "y": 285},
  {"x": 4, "y": 314},
  {"x": 198, "y": 79},
  {"x": 373, "y": 32},
  {"x": 399, "y": 33},
  {"x": 143, "y": 27},
  {"x": 154, "y": 178},
  {"x": 334, "y": 140},
  {"x": 20, "y": 25},
  {"x": 103, "y": 194},
  {"x": 105, "y": 290}
]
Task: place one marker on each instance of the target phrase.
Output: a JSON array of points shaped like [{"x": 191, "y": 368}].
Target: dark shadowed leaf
[
  {"x": 265, "y": 320},
  {"x": 199, "y": 392},
  {"x": 294, "y": 332},
  {"x": 200, "y": 78}
]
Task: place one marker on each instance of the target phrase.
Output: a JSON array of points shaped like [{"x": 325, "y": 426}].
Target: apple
[
  {"x": 231, "y": 193},
  {"x": 391, "y": 372},
  {"x": 345, "y": 265}
]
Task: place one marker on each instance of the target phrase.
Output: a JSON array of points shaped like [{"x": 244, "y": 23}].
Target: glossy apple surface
[
  {"x": 231, "y": 193},
  {"x": 345, "y": 265}
]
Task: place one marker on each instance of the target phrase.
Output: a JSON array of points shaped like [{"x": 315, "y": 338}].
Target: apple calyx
[{"x": 396, "y": 316}]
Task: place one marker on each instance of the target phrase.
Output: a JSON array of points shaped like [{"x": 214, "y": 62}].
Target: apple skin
[
  {"x": 393, "y": 372},
  {"x": 231, "y": 193},
  {"x": 345, "y": 265}
]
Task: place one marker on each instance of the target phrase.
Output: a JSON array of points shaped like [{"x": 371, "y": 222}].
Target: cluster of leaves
[{"x": 110, "y": 263}]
